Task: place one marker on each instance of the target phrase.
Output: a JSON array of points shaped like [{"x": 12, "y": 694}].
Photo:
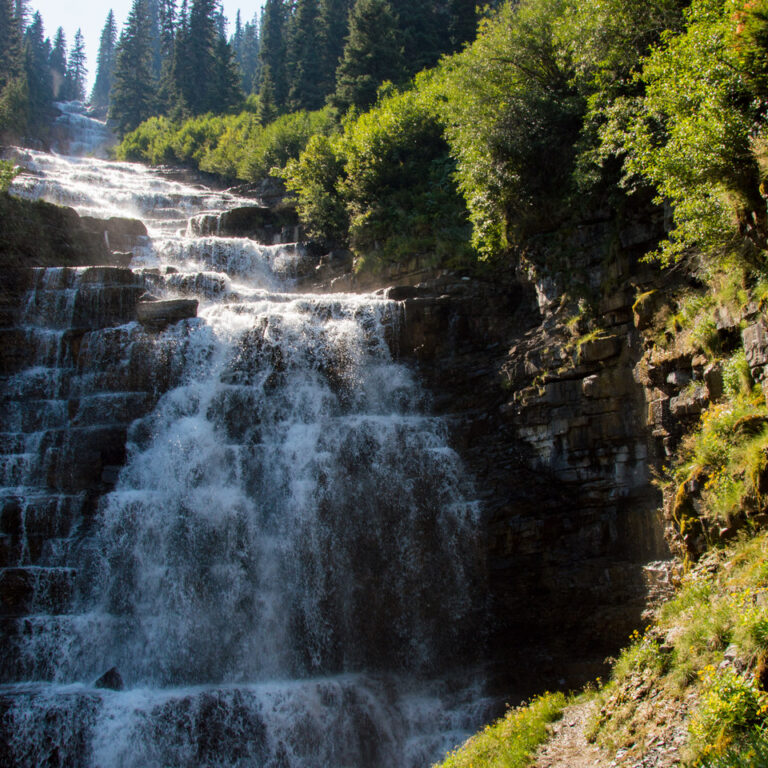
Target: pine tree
[
  {"x": 13, "y": 84},
  {"x": 372, "y": 55},
  {"x": 334, "y": 25},
  {"x": 205, "y": 76},
  {"x": 272, "y": 52},
  {"x": 133, "y": 88},
  {"x": 167, "y": 28},
  {"x": 10, "y": 44},
  {"x": 76, "y": 69},
  {"x": 155, "y": 37},
  {"x": 305, "y": 58},
  {"x": 250, "y": 65},
  {"x": 58, "y": 65},
  {"x": 21, "y": 15},
  {"x": 105, "y": 63},
  {"x": 37, "y": 52}
]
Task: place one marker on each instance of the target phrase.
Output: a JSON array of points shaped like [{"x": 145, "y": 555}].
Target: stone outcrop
[
  {"x": 156, "y": 315},
  {"x": 38, "y": 234},
  {"x": 266, "y": 225},
  {"x": 547, "y": 411}
]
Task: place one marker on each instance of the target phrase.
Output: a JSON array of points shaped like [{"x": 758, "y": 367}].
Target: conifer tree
[
  {"x": 305, "y": 59},
  {"x": 272, "y": 52},
  {"x": 372, "y": 55},
  {"x": 10, "y": 43},
  {"x": 37, "y": 52},
  {"x": 155, "y": 37},
  {"x": 204, "y": 74},
  {"x": 76, "y": 69},
  {"x": 333, "y": 26},
  {"x": 21, "y": 15},
  {"x": 58, "y": 65},
  {"x": 133, "y": 88},
  {"x": 13, "y": 85},
  {"x": 167, "y": 10},
  {"x": 105, "y": 63},
  {"x": 248, "y": 57}
]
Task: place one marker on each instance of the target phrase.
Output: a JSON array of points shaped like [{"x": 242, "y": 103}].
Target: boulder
[
  {"x": 156, "y": 315},
  {"x": 111, "y": 680},
  {"x": 266, "y": 225},
  {"x": 755, "y": 339}
]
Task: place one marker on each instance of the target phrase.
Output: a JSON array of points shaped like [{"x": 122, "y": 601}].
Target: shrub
[{"x": 8, "y": 172}]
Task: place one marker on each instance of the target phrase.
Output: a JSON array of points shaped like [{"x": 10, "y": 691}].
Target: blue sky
[{"x": 90, "y": 16}]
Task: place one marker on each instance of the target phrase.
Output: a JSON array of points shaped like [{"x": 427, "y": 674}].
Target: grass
[
  {"x": 708, "y": 646},
  {"x": 512, "y": 740}
]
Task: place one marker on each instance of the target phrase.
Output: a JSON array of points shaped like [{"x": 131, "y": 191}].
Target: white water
[{"x": 286, "y": 569}]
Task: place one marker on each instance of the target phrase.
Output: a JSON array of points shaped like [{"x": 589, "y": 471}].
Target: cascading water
[{"x": 286, "y": 571}]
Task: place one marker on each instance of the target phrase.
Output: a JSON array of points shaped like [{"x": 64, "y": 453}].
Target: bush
[
  {"x": 730, "y": 707},
  {"x": 385, "y": 185},
  {"x": 8, "y": 172},
  {"x": 693, "y": 135}
]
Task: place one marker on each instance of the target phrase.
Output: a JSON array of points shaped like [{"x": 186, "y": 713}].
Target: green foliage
[
  {"x": 232, "y": 146},
  {"x": 315, "y": 179},
  {"x": 752, "y": 752},
  {"x": 719, "y": 606},
  {"x": 511, "y": 741},
  {"x": 730, "y": 707},
  {"x": 133, "y": 96},
  {"x": 372, "y": 55},
  {"x": 737, "y": 377},
  {"x": 692, "y": 136},
  {"x": 388, "y": 179},
  {"x": 8, "y": 172},
  {"x": 513, "y": 119}
]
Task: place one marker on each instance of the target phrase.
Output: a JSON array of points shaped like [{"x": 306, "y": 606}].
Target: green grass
[
  {"x": 710, "y": 643},
  {"x": 511, "y": 741}
]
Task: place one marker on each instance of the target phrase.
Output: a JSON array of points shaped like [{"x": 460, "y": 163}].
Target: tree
[
  {"x": 249, "y": 58},
  {"x": 204, "y": 74},
  {"x": 105, "y": 63},
  {"x": 58, "y": 64},
  {"x": 167, "y": 15},
  {"x": 698, "y": 134},
  {"x": 21, "y": 15},
  {"x": 37, "y": 52},
  {"x": 13, "y": 84},
  {"x": 513, "y": 118},
  {"x": 333, "y": 25},
  {"x": 76, "y": 70},
  {"x": 305, "y": 59},
  {"x": 133, "y": 89},
  {"x": 372, "y": 55},
  {"x": 272, "y": 52}
]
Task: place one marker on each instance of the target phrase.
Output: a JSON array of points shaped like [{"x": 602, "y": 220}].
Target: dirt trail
[{"x": 568, "y": 747}]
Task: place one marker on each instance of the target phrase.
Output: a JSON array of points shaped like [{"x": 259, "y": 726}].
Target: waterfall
[{"x": 281, "y": 556}]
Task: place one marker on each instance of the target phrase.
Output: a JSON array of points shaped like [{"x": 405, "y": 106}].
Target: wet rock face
[
  {"x": 156, "y": 315},
  {"x": 75, "y": 372},
  {"x": 37, "y": 234},
  {"x": 553, "y": 425},
  {"x": 266, "y": 225}
]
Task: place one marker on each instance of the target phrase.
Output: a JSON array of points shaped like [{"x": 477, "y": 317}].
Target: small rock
[
  {"x": 111, "y": 680},
  {"x": 156, "y": 315}
]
